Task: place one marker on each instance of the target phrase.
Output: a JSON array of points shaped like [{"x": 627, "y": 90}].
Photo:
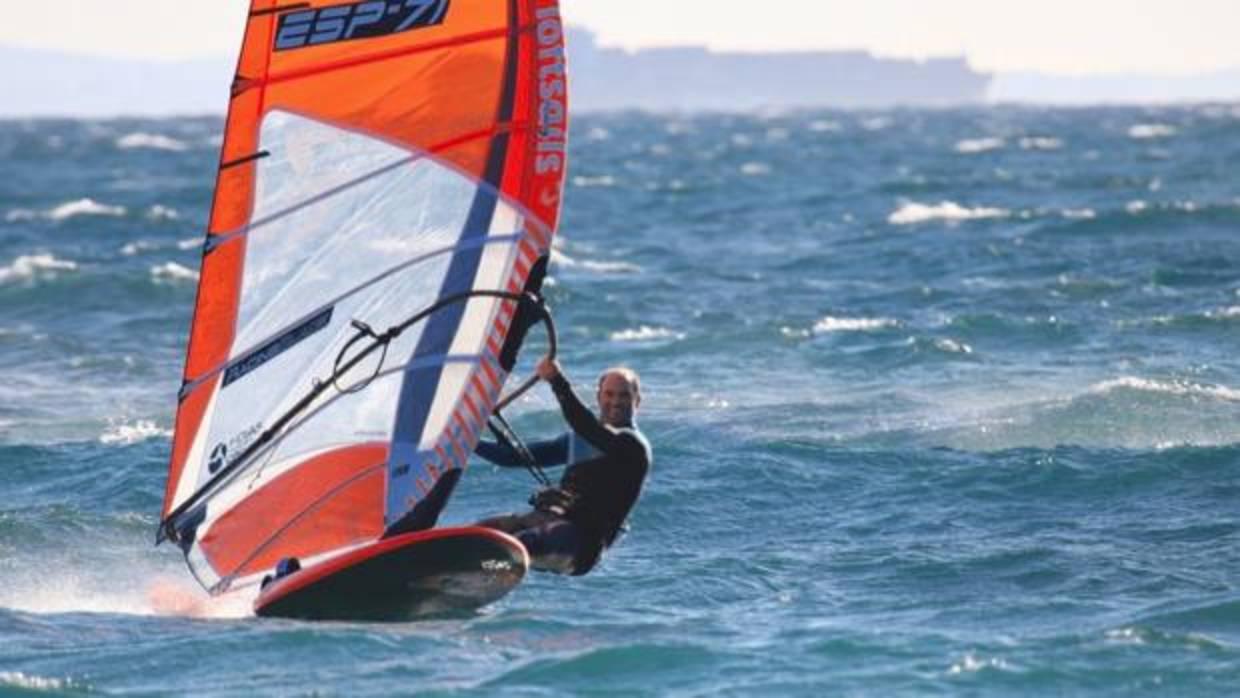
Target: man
[{"x": 608, "y": 459}]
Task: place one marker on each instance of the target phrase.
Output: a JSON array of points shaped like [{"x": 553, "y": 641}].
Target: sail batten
[
  {"x": 372, "y": 171},
  {"x": 310, "y": 317}
]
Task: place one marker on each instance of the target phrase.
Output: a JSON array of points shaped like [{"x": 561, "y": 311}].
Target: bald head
[{"x": 619, "y": 394}]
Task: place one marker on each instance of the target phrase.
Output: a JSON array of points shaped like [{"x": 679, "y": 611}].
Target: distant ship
[{"x": 694, "y": 78}]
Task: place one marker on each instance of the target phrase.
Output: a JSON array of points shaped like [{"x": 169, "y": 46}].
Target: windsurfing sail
[{"x": 386, "y": 165}]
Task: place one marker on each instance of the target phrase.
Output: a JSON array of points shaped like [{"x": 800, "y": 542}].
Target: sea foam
[
  {"x": 171, "y": 271},
  {"x": 29, "y": 266},
  {"x": 1175, "y": 387},
  {"x": 912, "y": 213},
  {"x": 974, "y": 146},
  {"x": 65, "y": 211},
  {"x": 152, "y": 141},
  {"x": 843, "y": 324},
  {"x": 123, "y": 434},
  {"x": 646, "y": 333},
  {"x": 562, "y": 260},
  {"x": 1151, "y": 131}
]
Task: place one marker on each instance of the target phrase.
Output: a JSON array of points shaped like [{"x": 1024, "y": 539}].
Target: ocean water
[{"x": 943, "y": 403}]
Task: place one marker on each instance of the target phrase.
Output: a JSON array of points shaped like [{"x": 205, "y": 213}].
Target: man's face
[{"x": 616, "y": 401}]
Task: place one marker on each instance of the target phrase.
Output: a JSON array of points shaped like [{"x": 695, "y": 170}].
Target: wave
[
  {"x": 951, "y": 346},
  {"x": 152, "y": 141},
  {"x": 912, "y": 213},
  {"x": 646, "y": 333},
  {"x": 1151, "y": 131},
  {"x": 1176, "y": 388},
  {"x": 124, "y": 434},
  {"x": 1040, "y": 143},
  {"x": 560, "y": 259},
  {"x": 138, "y": 246},
  {"x": 30, "y": 682},
  {"x": 159, "y": 212},
  {"x": 973, "y": 146},
  {"x": 970, "y": 663},
  {"x": 1220, "y": 615},
  {"x": 1146, "y": 214},
  {"x": 171, "y": 271},
  {"x": 589, "y": 182},
  {"x": 830, "y": 324},
  {"x": 755, "y": 169},
  {"x": 1124, "y": 412},
  {"x": 67, "y": 210},
  {"x": 876, "y": 123},
  {"x": 30, "y": 266}
]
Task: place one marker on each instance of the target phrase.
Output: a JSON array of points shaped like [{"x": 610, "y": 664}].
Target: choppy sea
[{"x": 943, "y": 403}]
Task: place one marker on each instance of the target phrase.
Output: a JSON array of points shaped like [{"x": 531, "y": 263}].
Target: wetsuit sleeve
[
  {"x": 546, "y": 454},
  {"x": 581, "y": 420}
]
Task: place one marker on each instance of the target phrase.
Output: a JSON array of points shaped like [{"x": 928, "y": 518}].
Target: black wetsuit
[{"x": 583, "y": 515}]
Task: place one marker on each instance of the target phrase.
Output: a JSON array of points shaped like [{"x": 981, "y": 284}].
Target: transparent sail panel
[{"x": 335, "y": 209}]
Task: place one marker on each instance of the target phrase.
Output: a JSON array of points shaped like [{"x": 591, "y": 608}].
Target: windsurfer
[{"x": 607, "y": 458}]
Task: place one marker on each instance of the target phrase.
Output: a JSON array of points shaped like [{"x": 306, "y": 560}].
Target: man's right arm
[{"x": 546, "y": 453}]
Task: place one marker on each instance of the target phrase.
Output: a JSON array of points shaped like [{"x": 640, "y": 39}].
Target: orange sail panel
[{"x": 379, "y": 157}]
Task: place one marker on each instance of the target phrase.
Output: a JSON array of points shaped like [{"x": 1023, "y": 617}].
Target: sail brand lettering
[
  {"x": 552, "y": 89},
  {"x": 360, "y": 20},
  {"x": 236, "y": 444}
]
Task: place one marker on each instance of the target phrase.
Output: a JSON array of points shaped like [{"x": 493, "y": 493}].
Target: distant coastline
[{"x": 696, "y": 78}]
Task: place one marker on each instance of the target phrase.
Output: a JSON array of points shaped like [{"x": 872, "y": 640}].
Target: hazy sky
[{"x": 1055, "y": 36}]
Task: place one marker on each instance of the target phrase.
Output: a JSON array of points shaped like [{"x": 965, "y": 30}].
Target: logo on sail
[{"x": 359, "y": 20}]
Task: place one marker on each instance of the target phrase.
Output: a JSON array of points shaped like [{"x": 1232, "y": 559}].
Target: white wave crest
[
  {"x": 560, "y": 259},
  {"x": 1079, "y": 214},
  {"x": 755, "y": 169},
  {"x": 1151, "y": 131},
  {"x": 132, "y": 248},
  {"x": 971, "y": 664},
  {"x": 951, "y": 346},
  {"x": 588, "y": 182},
  {"x": 83, "y": 207},
  {"x": 153, "y": 141},
  {"x": 28, "y": 682},
  {"x": 122, "y": 434},
  {"x": 159, "y": 212},
  {"x": 876, "y": 123},
  {"x": 1135, "y": 207},
  {"x": 1040, "y": 143},
  {"x": 912, "y": 213},
  {"x": 825, "y": 127},
  {"x": 646, "y": 334},
  {"x": 171, "y": 271},
  {"x": 972, "y": 146},
  {"x": 189, "y": 243},
  {"x": 1177, "y": 388},
  {"x": 846, "y": 324},
  {"x": 28, "y": 266}
]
